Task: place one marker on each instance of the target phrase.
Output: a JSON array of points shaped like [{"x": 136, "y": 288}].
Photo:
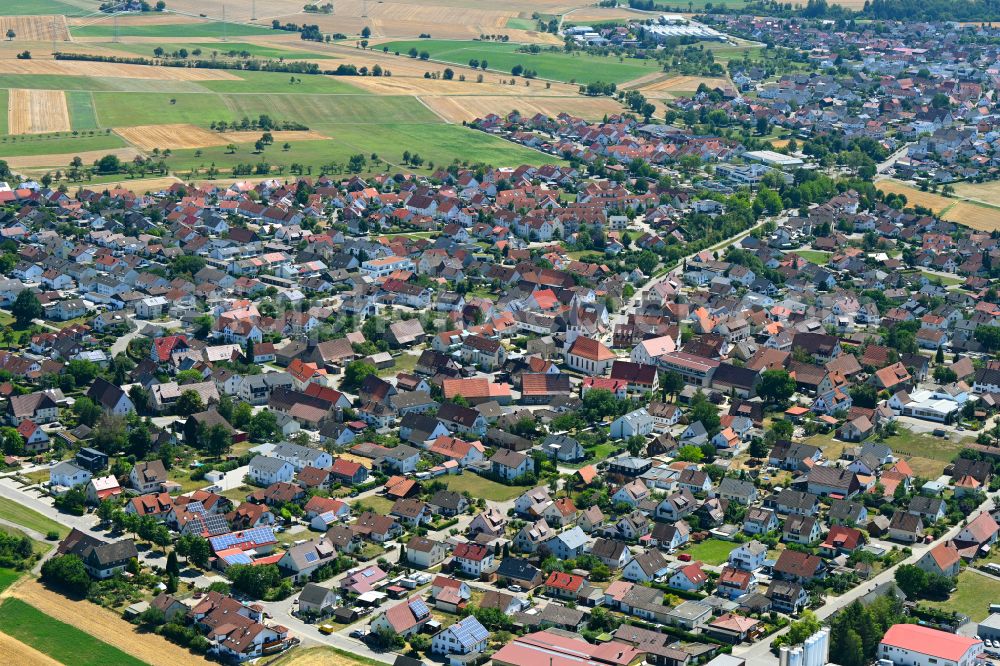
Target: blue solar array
[
  {"x": 419, "y": 608},
  {"x": 233, "y": 539},
  {"x": 238, "y": 558},
  {"x": 311, "y": 556},
  {"x": 469, "y": 631}
]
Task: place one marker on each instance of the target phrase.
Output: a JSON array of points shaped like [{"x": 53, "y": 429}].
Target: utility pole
[
  {"x": 364, "y": 8},
  {"x": 253, "y": 11},
  {"x": 53, "y": 34}
]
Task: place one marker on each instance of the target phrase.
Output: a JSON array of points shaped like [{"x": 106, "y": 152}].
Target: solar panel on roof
[
  {"x": 311, "y": 557},
  {"x": 216, "y": 524},
  {"x": 238, "y": 558},
  {"x": 469, "y": 631},
  {"x": 419, "y": 608}
]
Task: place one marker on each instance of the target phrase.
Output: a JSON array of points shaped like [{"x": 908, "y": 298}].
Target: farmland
[
  {"x": 222, "y": 48},
  {"x": 914, "y": 196},
  {"x": 975, "y": 215},
  {"x": 50, "y": 144},
  {"x": 37, "y": 111},
  {"x": 35, "y": 28},
  {"x": 60, "y": 641},
  {"x": 181, "y": 30},
  {"x": 556, "y": 65},
  {"x": 55, "y": 623}
]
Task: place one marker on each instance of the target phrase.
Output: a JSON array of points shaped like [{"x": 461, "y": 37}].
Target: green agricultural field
[
  {"x": 280, "y": 83},
  {"x": 39, "y": 7},
  {"x": 515, "y": 23},
  {"x": 96, "y": 84},
  {"x": 50, "y": 144},
  {"x": 181, "y": 30},
  {"x": 207, "y": 48},
  {"x": 21, "y": 515},
  {"x": 59, "y": 640},
  {"x": 124, "y": 110},
  {"x": 435, "y": 142},
  {"x": 3, "y": 110},
  {"x": 81, "y": 110},
  {"x": 556, "y": 65}
]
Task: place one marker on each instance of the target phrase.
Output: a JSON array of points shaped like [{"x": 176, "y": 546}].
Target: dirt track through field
[
  {"x": 457, "y": 109},
  {"x": 103, "y": 625},
  {"x": 37, "y": 111},
  {"x": 115, "y": 70},
  {"x": 13, "y": 651}
]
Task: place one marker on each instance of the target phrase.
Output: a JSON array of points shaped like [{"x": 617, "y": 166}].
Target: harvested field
[
  {"x": 679, "y": 84},
  {"x": 179, "y": 136},
  {"x": 103, "y": 624},
  {"x": 114, "y": 70},
  {"x": 35, "y": 28},
  {"x": 37, "y": 111},
  {"x": 456, "y": 109},
  {"x": 14, "y": 651},
  {"x": 985, "y": 192},
  {"x": 602, "y": 14},
  {"x": 914, "y": 196},
  {"x": 63, "y": 159},
  {"x": 974, "y": 215}
]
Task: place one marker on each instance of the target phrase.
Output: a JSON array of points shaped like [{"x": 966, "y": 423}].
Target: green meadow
[
  {"x": 556, "y": 65},
  {"x": 181, "y": 30}
]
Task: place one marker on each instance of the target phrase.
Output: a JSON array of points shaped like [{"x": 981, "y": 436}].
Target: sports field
[{"x": 556, "y": 65}]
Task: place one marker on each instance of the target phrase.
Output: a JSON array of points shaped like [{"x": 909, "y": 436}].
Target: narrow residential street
[{"x": 759, "y": 653}]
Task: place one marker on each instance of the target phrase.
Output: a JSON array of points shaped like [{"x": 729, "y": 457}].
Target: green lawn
[
  {"x": 223, "y": 49},
  {"x": 22, "y": 515},
  {"x": 81, "y": 110},
  {"x": 60, "y": 641},
  {"x": 973, "y": 598},
  {"x": 49, "y": 144},
  {"x": 376, "y": 503},
  {"x": 711, "y": 551},
  {"x": 817, "y": 257},
  {"x": 557, "y": 65},
  {"x": 478, "y": 486},
  {"x": 945, "y": 280},
  {"x": 181, "y": 30},
  {"x": 927, "y": 455},
  {"x": 7, "y": 578}
]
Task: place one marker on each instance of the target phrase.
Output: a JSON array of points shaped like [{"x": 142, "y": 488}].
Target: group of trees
[{"x": 919, "y": 584}]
